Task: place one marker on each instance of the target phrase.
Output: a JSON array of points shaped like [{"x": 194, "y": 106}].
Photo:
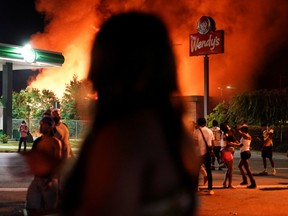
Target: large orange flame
[{"x": 73, "y": 24}]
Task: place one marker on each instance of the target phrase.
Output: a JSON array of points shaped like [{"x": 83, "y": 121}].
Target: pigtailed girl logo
[
  {"x": 205, "y": 25},
  {"x": 207, "y": 40}
]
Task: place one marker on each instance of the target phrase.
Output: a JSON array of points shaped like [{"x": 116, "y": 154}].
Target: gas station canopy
[
  {"x": 21, "y": 58},
  {"x": 26, "y": 57}
]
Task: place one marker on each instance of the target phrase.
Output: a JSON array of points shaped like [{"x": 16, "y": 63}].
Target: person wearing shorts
[{"x": 267, "y": 149}]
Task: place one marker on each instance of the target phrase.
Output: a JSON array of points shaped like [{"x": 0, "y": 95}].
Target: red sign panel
[{"x": 210, "y": 43}]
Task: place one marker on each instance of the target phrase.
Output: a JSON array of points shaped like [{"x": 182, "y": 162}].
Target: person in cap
[
  {"x": 245, "y": 154},
  {"x": 44, "y": 160}
]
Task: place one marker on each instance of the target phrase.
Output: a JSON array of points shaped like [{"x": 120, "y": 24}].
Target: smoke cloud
[{"x": 253, "y": 30}]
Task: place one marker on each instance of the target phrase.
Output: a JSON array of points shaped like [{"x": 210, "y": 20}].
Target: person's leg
[
  {"x": 50, "y": 195},
  {"x": 207, "y": 164},
  {"x": 218, "y": 156},
  {"x": 240, "y": 166},
  {"x": 272, "y": 165},
  {"x": 33, "y": 197},
  {"x": 264, "y": 163},
  {"x": 231, "y": 169},
  {"x": 270, "y": 157},
  {"x": 225, "y": 176},
  {"x": 204, "y": 173},
  {"x": 213, "y": 161},
  {"x": 24, "y": 142},
  {"x": 264, "y": 155},
  {"x": 249, "y": 173},
  {"x": 19, "y": 145}
]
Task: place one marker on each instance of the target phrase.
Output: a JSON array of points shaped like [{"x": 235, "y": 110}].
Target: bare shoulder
[{"x": 56, "y": 141}]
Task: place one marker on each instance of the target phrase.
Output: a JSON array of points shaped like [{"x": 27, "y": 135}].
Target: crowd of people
[
  {"x": 138, "y": 158},
  {"x": 46, "y": 159},
  {"x": 219, "y": 142}
]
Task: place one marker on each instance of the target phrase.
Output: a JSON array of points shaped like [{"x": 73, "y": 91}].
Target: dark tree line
[{"x": 255, "y": 108}]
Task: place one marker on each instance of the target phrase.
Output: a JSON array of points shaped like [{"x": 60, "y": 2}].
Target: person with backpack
[
  {"x": 217, "y": 147},
  {"x": 23, "y": 129},
  {"x": 204, "y": 140}
]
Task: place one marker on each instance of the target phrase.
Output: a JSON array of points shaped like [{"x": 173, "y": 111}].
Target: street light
[{"x": 28, "y": 54}]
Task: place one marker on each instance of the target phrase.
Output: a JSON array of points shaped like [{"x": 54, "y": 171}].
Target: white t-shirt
[
  {"x": 217, "y": 135},
  {"x": 198, "y": 139}
]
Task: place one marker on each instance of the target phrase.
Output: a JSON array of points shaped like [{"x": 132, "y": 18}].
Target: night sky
[{"x": 19, "y": 21}]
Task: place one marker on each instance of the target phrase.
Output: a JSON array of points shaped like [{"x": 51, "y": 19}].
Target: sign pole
[
  {"x": 206, "y": 84},
  {"x": 207, "y": 41},
  {"x": 7, "y": 79}
]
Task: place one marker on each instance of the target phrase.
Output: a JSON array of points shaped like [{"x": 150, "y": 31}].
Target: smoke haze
[{"x": 254, "y": 29}]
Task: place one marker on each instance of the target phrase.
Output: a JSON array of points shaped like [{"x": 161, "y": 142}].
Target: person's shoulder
[
  {"x": 63, "y": 123},
  {"x": 205, "y": 128},
  {"x": 56, "y": 141},
  {"x": 62, "y": 126},
  {"x": 215, "y": 128},
  {"x": 36, "y": 142},
  {"x": 38, "y": 139}
]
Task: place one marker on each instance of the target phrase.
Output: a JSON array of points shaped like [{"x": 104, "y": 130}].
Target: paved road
[{"x": 270, "y": 197}]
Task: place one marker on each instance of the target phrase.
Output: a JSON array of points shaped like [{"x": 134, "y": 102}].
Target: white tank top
[{"x": 246, "y": 144}]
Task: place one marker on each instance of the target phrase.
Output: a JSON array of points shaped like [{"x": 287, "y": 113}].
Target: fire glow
[{"x": 72, "y": 25}]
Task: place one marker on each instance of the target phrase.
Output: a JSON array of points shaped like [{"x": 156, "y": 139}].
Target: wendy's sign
[{"x": 207, "y": 40}]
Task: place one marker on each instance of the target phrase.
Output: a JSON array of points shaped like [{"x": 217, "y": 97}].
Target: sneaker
[
  {"x": 273, "y": 172},
  {"x": 231, "y": 187},
  {"x": 244, "y": 183},
  {"x": 252, "y": 186},
  {"x": 211, "y": 192},
  {"x": 25, "y": 212}
]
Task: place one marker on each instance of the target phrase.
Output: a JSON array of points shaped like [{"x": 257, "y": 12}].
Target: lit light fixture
[{"x": 28, "y": 53}]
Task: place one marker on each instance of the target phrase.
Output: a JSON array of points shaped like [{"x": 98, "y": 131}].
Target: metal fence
[{"x": 77, "y": 128}]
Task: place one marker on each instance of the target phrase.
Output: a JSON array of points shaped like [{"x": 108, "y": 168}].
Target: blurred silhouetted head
[
  {"x": 215, "y": 123},
  {"x": 55, "y": 115},
  {"x": 46, "y": 125},
  {"x": 47, "y": 113},
  {"x": 132, "y": 58},
  {"x": 201, "y": 122},
  {"x": 224, "y": 127},
  {"x": 244, "y": 128}
]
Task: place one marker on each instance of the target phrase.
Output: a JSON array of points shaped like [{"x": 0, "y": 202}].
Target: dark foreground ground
[{"x": 269, "y": 198}]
